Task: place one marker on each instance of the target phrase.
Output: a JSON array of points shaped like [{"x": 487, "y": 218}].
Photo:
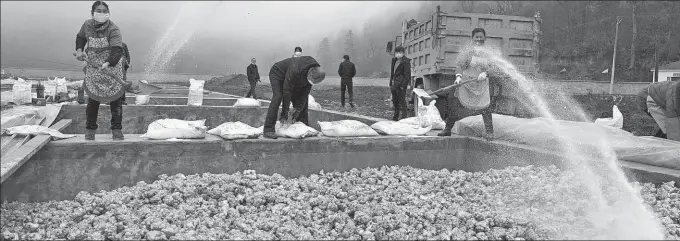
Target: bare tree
[{"x": 468, "y": 6}]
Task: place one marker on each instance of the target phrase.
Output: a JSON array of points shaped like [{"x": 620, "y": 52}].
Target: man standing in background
[
  {"x": 347, "y": 71},
  {"x": 400, "y": 76},
  {"x": 253, "y": 78}
]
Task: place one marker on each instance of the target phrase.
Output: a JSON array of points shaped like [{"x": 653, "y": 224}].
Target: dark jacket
[
  {"x": 278, "y": 70},
  {"x": 400, "y": 74},
  {"x": 127, "y": 57},
  {"x": 296, "y": 80},
  {"x": 347, "y": 70},
  {"x": 665, "y": 94},
  {"x": 253, "y": 73}
]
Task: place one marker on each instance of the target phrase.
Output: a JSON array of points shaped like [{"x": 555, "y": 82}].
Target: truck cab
[{"x": 434, "y": 44}]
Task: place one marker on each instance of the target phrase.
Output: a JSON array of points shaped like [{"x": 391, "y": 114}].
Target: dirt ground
[{"x": 374, "y": 101}]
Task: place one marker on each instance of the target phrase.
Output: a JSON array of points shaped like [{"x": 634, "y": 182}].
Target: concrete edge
[{"x": 16, "y": 159}]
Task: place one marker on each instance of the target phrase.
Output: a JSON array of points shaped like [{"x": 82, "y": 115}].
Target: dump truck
[{"x": 434, "y": 44}]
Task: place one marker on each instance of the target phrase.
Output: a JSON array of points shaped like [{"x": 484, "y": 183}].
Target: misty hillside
[{"x": 576, "y": 35}]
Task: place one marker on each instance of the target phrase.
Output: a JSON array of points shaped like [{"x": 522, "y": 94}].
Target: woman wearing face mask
[
  {"x": 297, "y": 52},
  {"x": 474, "y": 98},
  {"x": 103, "y": 72}
]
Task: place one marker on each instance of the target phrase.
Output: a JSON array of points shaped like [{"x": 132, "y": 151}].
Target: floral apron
[{"x": 101, "y": 84}]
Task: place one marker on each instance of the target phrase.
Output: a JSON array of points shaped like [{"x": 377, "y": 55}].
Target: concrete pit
[{"x": 62, "y": 169}]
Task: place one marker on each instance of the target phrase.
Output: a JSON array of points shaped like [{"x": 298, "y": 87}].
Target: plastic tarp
[
  {"x": 236, "y": 130},
  {"x": 400, "y": 129},
  {"x": 540, "y": 132},
  {"x": 18, "y": 115},
  {"x": 164, "y": 129},
  {"x": 346, "y": 128},
  {"x": 247, "y": 102},
  {"x": 36, "y": 130}
]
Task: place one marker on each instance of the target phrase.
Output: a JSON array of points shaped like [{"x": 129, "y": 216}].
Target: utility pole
[{"x": 616, "y": 40}]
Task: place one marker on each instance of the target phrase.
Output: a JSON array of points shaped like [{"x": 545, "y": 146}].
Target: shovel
[
  {"x": 447, "y": 88},
  {"x": 143, "y": 87}
]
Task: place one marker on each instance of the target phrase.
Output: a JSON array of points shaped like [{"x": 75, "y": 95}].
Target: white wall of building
[{"x": 665, "y": 75}]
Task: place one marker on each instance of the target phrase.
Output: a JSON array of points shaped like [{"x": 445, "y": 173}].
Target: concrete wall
[{"x": 62, "y": 169}]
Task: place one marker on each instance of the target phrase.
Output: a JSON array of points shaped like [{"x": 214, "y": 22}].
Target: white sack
[
  {"x": 195, "y": 92},
  {"x": 142, "y": 99},
  {"x": 173, "y": 128},
  {"x": 247, "y": 102},
  {"x": 616, "y": 121},
  {"x": 21, "y": 92},
  {"x": 236, "y": 130},
  {"x": 346, "y": 128},
  {"x": 298, "y": 130},
  {"x": 403, "y": 129}
]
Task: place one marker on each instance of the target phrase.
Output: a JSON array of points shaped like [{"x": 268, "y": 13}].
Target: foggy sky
[{"x": 46, "y": 30}]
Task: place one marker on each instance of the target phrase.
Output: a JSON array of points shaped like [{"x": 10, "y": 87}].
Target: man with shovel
[
  {"x": 661, "y": 101},
  {"x": 472, "y": 93}
]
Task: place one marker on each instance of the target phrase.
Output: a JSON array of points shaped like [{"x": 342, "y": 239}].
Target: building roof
[{"x": 670, "y": 66}]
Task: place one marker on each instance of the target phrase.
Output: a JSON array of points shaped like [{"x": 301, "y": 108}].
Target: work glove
[
  {"x": 81, "y": 55},
  {"x": 105, "y": 65},
  {"x": 459, "y": 77}
]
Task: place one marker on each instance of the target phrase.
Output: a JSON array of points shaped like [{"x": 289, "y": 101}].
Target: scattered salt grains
[{"x": 373, "y": 203}]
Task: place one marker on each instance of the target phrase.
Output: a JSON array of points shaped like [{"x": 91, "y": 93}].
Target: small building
[{"x": 668, "y": 72}]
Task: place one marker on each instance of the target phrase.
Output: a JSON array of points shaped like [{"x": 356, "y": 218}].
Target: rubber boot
[
  {"x": 89, "y": 134},
  {"x": 351, "y": 105},
  {"x": 270, "y": 135},
  {"x": 117, "y": 135},
  {"x": 395, "y": 117},
  {"x": 445, "y": 133}
]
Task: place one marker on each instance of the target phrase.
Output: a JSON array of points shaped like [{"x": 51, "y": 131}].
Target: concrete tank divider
[{"x": 62, "y": 169}]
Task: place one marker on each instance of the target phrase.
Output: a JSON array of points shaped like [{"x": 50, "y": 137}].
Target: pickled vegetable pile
[{"x": 385, "y": 203}]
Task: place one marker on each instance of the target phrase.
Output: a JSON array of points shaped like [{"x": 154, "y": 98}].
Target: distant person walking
[
  {"x": 400, "y": 76},
  {"x": 253, "y": 77},
  {"x": 104, "y": 51},
  {"x": 661, "y": 101},
  {"x": 297, "y": 52},
  {"x": 347, "y": 71}
]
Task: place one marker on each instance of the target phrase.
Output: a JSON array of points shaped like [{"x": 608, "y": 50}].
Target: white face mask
[
  {"x": 398, "y": 55},
  {"x": 297, "y": 54},
  {"x": 100, "y": 17}
]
